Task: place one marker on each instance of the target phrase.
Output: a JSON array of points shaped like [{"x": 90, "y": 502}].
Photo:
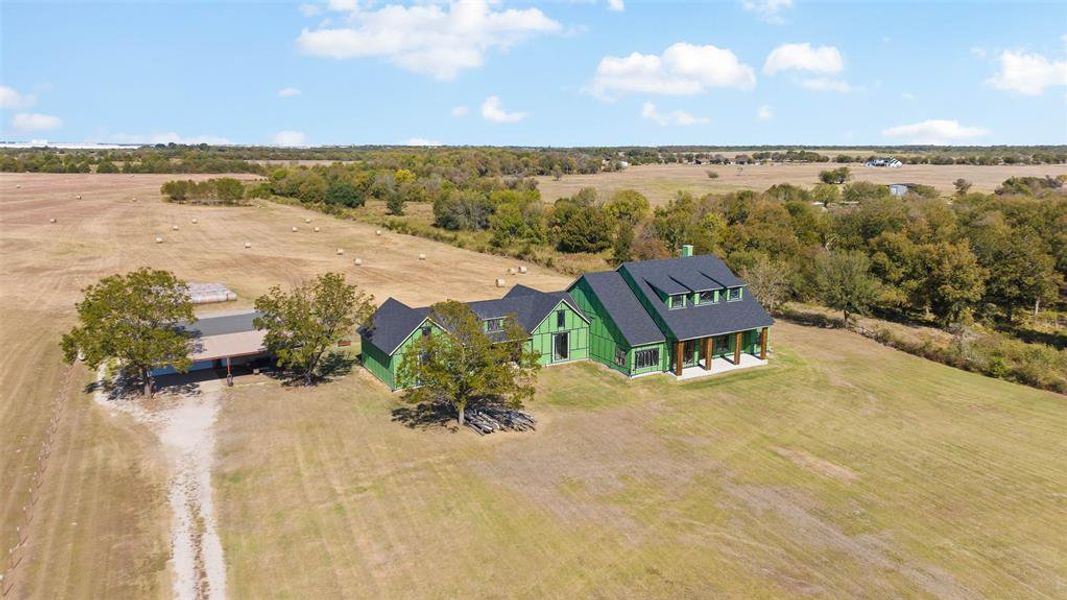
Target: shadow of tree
[{"x": 426, "y": 415}]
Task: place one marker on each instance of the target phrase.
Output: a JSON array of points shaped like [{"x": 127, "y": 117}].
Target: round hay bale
[
  {"x": 174, "y": 228},
  {"x": 358, "y": 261},
  {"x": 307, "y": 220},
  {"x": 248, "y": 244},
  {"x": 500, "y": 282},
  {"x": 159, "y": 240},
  {"x": 51, "y": 220},
  {"x": 511, "y": 270},
  {"x": 422, "y": 257},
  {"x": 340, "y": 251},
  {"x": 195, "y": 221},
  {"x": 294, "y": 229},
  {"x": 378, "y": 232},
  {"x": 317, "y": 230},
  {"x": 18, "y": 186},
  {"x": 522, "y": 269},
  {"x": 79, "y": 196}
]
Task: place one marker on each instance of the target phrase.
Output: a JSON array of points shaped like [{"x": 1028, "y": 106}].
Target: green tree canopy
[
  {"x": 462, "y": 367},
  {"x": 305, "y": 322},
  {"x": 133, "y": 318},
  {"x": 843, "y": 282}
]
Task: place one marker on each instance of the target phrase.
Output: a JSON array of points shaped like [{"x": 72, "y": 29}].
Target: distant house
[
  {"x": 743, "y": 159},
  {"x": 899, "y": 189},
  {"x": 688, "y": 316},
  {"x": 890, "y": 162}
]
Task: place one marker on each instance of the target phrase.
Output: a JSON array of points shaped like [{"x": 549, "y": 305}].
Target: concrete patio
[{"x": 720, "y": 365}]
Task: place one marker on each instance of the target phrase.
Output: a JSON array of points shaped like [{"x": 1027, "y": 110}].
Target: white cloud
[
  {"x": 934, "y": 131},
  {"x": 35, "y": 122},
  {"x": 343, "y": 5},
  {"x": 289, "y": 138},
  {"x": 616, "y": 5},
  {"x": 310, "y": 10},
  {"x": 828, "y": 84},
  {"x": 288, "y": 92},
  {"x": 803, "y": 57},
  {"x": 675, "y": 117},
  {"x": 493, "y": 111},
  {"x": 11, "y": 98},
  {"x": 431, "y": 39},
  {"x": 768, "y": 10},
  {"x": 460, "y": 111},
  {"x": 1028, "y": 74},
  {"x": 168, "y": 137},
  {"x": 764, "y": 113},
  {"x": 418, "y": 141},
  {"x": 682, "y": 69}
]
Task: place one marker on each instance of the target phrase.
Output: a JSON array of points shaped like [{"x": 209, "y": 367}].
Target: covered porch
[{"x": 719, "y": 353}]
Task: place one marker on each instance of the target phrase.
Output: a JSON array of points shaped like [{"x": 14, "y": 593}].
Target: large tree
[
  {"x": 133, "y": 318},
  {"x": 461, "y": 366},
  {"x": 769, "y": 281},
  {"x": 303, "y": 323},
  {"x": 955, "y": 281},
  {"x": 843, "y": 282}
]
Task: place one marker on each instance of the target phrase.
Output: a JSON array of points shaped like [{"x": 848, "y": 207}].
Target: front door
[
  {"x": 560, "y": 346},
  {"x": 689, "y": 353}
]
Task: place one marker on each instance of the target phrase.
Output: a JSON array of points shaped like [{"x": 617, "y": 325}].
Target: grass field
[
  {"x": 844, "y": 469},
  {"x": 660, "y": 182}
]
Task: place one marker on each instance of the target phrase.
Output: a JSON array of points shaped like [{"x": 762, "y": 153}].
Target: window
[
  {"x": 705, "y": 297},
  {"x": 646, "y": 358},
  {"x": 426, "y": 331},
  {"x": 561, "y": 319},
  {"x": 733, "y": 294},
  {"x": 494, "y": 325},
  {"x": 620, "y": 357},
  {"x": 677, "y": 301}
]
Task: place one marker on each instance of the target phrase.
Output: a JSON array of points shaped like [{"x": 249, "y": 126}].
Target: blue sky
[{"x": 561, "y": 73}]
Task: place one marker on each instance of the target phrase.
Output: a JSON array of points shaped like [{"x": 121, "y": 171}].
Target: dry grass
[
  {"x": 660, "y": 182},
  {"x": 819, "y": 475},
  {"x": 99, "y": 524},
  {"x": 843, "y": 470}
]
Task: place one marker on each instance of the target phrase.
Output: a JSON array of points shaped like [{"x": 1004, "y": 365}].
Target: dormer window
[
  {"x": 733, "y": 294},
  {"x": 705, "y": 297},
  {"x": 493, "y": 325},
  {"x": 677, "y": 301}
]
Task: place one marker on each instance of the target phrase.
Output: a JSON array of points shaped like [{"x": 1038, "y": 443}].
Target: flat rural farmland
[
  {"x": 660, "y": 182},
  {"x": 97, "y": 523},
  {"x": 818, "y": 475}
]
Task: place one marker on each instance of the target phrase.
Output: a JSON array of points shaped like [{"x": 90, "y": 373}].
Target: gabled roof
[
  {"x": 392, "y": 323},
  {"x": 702, "y": 320},
  {"x": 624, "y": 309}
]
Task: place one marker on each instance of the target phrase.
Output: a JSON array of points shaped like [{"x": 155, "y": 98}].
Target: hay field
[
  {"x": 845, "y": 469},
  {"x": 97, "y": 524},
  {"x": 660, "y": 182}
]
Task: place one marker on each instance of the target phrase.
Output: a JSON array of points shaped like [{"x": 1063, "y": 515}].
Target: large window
[
  {"x": 646, "y": 358},
  {"x": 734, "y": 294},
  {"x": 620, "y": 357},
  {"x": 561, "y": 319}
]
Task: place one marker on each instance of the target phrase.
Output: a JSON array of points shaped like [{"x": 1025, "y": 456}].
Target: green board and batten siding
[
  {"x": 386, "y": 367},
  {"x": 543, "y": 336},
  {"x": 605, "y": 337}
]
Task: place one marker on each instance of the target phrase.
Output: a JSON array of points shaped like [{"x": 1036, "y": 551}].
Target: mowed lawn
[{"x": 844, "y": 469}]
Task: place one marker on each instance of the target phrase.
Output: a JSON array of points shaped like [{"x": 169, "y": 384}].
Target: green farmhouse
[{"x": 688, "y": 316}]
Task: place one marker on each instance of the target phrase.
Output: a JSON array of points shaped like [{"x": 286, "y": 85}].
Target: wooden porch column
[
  {"x": 737, "y": 348},
  {"x": 229, "y": 374},
  {"x": 707, "y": 354},
  {"x": 678, "y": 358},
  {"x": 763, "y": 344}
]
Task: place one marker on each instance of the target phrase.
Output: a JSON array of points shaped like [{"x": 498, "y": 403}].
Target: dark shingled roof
[
  {"x": 392, "y": 323},
  {"x": 624, "y": 309},
  {"x": 698, "y": 321},
  {"x": 222, "y": 324}
]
